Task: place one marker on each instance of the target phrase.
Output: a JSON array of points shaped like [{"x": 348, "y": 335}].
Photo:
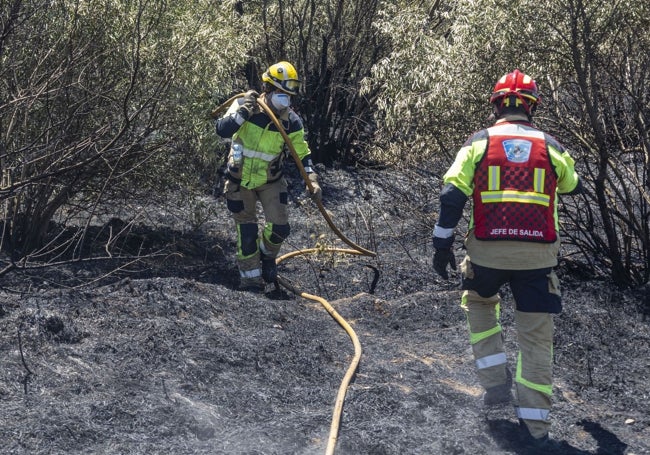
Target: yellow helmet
[{"x": 284, "y": 76}]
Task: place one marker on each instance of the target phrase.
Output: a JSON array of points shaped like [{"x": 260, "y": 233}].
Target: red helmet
[{"x": 517, "y": 84}]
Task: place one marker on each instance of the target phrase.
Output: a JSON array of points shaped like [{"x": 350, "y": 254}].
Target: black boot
[
  {"x": 269, "y": 269},
  {"x": 544, "y": 445},
  {"x": 254, "y": 285}
]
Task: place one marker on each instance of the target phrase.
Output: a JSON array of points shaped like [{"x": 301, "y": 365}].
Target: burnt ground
[{"x": 165, "y": 357}]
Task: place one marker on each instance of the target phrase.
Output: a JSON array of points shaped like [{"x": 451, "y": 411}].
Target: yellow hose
[
  {"x": 352, "y": 368},
  {"x": 357, "y": 250}
]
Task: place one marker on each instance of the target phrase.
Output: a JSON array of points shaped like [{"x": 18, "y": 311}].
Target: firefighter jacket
[
  {"x": 513, "y": 173},
  {"x": 263, "y": 145}
]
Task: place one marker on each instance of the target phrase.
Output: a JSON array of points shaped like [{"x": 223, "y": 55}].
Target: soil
[{"x": 166, "y": 356}]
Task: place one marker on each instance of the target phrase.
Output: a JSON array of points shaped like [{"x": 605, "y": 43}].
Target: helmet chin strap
[{"x": 521, "y": 103}]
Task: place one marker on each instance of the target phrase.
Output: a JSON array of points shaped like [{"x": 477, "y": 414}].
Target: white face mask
[{"x": 280, "y": 101}]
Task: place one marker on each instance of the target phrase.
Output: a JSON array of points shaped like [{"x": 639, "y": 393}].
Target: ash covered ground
[{"x": 165, "y": 356}]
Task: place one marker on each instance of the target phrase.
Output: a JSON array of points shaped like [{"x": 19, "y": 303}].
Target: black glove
[
  {"x": 249, "y": 106},
  {"x": 441, "y": 258}
]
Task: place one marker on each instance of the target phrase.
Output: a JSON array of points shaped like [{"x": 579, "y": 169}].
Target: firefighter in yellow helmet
[
  {"x": 513, "y": 172},
  {"x": 254, "y": 172}
]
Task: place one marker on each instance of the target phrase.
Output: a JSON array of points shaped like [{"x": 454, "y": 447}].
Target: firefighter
[
  {"x": 513, "y": 172},
  {"x": 254, "y": 172}
]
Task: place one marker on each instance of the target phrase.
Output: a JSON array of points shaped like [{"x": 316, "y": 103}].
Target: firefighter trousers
[
  {"x": 533, "y": 377},
  {"x": 242, "y": 204}
]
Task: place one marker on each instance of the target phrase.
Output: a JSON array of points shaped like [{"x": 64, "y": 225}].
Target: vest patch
[{"x": 517, "y": 150}]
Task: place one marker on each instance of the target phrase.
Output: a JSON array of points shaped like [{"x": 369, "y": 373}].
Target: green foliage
[
  {"x": 98, "y": 98},
  {"x": 591, "y": 62},
  {"x": 443, "y": 65},
  {"x": 101, "y": 97}
]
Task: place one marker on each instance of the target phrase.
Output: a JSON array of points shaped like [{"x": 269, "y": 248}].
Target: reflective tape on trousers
[
  {"x": 491, "y": 360},
  {"x": 533, "y": 413},
  {"x": 250, "y": 273}
]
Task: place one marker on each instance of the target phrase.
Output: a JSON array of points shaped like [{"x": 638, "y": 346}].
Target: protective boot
[
  {"x": 269, "y": 269},
  {"x": 543, "y": 445},
  {"x": 254, "y": 285}
]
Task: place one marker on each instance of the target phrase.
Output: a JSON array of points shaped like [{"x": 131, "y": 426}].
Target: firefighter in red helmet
[{"x": 513, "y": 172}]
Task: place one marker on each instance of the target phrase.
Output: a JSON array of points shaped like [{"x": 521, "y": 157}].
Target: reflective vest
[
  {"x": 263, "y": 147},
  {"x": 515, "y": 187}
]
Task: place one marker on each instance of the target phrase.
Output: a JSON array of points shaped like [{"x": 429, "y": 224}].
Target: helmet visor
[{"x": 290, "y": 86}]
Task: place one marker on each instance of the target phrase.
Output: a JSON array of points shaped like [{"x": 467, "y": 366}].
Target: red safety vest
[{"x": 514, "y": 187}]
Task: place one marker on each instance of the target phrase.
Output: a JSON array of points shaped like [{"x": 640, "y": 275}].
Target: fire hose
[{"x": 356, "y": 250}]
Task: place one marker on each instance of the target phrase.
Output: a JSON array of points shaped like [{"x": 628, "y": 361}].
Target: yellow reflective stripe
[
  {"x": 476, "y": 337},
  {"x": 240, "y": 254},
  {"x": 538, "y": 180},
  {"x": 268, "y": 233},
  {"x": 544, "y": 388},
  {"x": 239, "y": 251},
  {"x": 525, "y": 197},
  {"x": 494, "y": 178}
]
